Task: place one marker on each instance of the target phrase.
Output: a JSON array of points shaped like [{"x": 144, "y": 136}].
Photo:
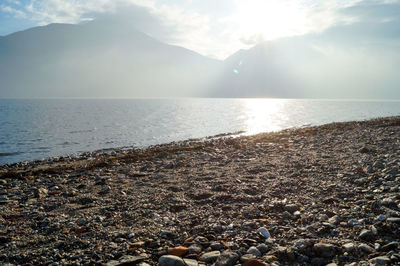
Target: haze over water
[{"x": 35, "y": 129}]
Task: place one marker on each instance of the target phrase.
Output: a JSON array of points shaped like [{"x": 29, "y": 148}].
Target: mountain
[
  {"x": 358, "y": 60},
  {"x": 99, "y": 59}
]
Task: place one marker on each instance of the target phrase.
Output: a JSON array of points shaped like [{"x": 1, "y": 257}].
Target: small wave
[
  {"x": 4, "y": 154},
  {"x": 42, "y": 148},
  {"x": 67, "y": 143},
  {"x": 81, "y": 131}
]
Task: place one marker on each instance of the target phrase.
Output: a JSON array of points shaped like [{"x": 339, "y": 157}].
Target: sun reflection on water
[{"x": 264, "y": 114}]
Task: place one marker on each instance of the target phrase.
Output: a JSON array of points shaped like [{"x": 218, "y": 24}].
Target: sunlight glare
[
  {"x": 269, "y": 19},
  {"x": 264, "y": 115}
]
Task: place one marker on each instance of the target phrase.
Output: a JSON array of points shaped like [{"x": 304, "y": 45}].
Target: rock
[
  {"x": 365, "y": 248},
  {"x": 227, "y": 258},
  {"x": 378, "y": 165},
  {"x": 41, "y": 192},
  {"x": 263, "y": 248},
  {"x": 105, "y": 190},
  {"x": 270, "y": 258},
  {"x": 216, "y": 246},
  {"x": 334, "y": 220},
  {"x": 254, "y": 251},
  {"x": 195, "y": 248},
  {"x": 210, "y": 257},
  {"x": 247, "y": 257},
  {"x": 389, "y": 202},
  {"x": 381, "y": 260},
  {"x": 390, "y": 246},
  {"x": 126, "y": 260},
  {"x": 395, "y": 220},
  {"x": 264, "y": 232},
  {"x": 254, "y": 262},
  {"x": 349, "y": 247},
  {"x": 324, "y": 250},
  {"x": 366, "y": 235},
  {"x": 190, "y": 262},
  {"x": 291, "y": 208},
  {"x": 380, "y": 218},
  {"x": 353, "y": 222},
  {"x": 170, "y": 260},
  {"x": 178, "y": 251}
]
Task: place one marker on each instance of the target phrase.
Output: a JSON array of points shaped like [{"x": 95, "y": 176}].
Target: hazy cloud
[{"x": 15, "y": 12}]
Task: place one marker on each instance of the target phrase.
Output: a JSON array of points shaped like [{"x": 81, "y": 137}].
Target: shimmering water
[{"x": 39, "y": 128}]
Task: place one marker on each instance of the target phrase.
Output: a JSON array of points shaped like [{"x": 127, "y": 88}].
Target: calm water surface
[{"x": 39, "y": 128}]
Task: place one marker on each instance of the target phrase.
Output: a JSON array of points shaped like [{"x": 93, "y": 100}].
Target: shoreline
[{"x": 326, "y": 194}]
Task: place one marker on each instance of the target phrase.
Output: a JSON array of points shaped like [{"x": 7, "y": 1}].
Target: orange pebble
[{"x": 178, "y": 251}]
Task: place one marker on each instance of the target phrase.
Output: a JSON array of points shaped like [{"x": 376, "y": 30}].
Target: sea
[{"x": 34, "y": 129}]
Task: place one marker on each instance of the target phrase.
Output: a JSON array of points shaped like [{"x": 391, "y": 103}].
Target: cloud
[{"x": 15, "y": 12}]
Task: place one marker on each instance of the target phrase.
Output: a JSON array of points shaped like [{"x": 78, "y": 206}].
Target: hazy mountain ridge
[{"x": 98, "y": 60}]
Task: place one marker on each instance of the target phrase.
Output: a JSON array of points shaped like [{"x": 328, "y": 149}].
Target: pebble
[
  {"x": 254, "y": 262},
  {"x": 178, "y": 251},
  {"x": 365, "y": 248},
  {"x": 170, "y": 260},
  {"x": 254, "y": 251},
  {"x": 395, "y": 220},
  {"x": 264, "y": 232},
  {"x": 349, "y": 247},
  {"x": 263, "y": 248},
  {"x": 324, "y": 250},
  {"x": 190, "y": 262},
  {"x": 227, "y": 258},
  {"x": 210, "y": 257},
  {"x": 381, "y": 260},
  {"x": 366, "y": 235},
  {"x": 247, "y": 257}
]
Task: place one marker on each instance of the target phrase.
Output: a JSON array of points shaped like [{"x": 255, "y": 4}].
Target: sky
[{"x": 214, "y": 28}]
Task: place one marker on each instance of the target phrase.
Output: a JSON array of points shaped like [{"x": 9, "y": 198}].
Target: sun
[{"x": 269, "y": 19}]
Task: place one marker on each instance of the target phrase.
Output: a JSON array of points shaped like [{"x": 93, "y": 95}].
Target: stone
[
  {"x": 263, "y": 248},
  {"x": 195, "y": 248},
  {"x": 216, "y": 246},
  {"x": 353, "y": 222},
  {"x": 255, "y": 262},
  {"x": 264, "y": 232},
  {"x": 254, "y": 251},
  {"x": 170, "y": 260},
  {"x": 178, "y": 251},
  {"x": 291, "y": 208},
  {"x": 366, "y": 235},
  {"x": 247, "y": 257},
  {"x": 380, "y": 218},
  {"x": 126, "y": 260},
  {"x": 366, "y": 249},
  {"x": 324, "y": 250},
  {"x": 381, "y": 260},
  {"x": 395, "y": 220},
  {"x": 349, "y": 247},
  {"x": 227, "y": 258},
  {"x": 210, "y": 257},
  {"x": 390, "y": 246},
  {"x": 334, "y": 220},
  {"x": 190, "y": 262}
]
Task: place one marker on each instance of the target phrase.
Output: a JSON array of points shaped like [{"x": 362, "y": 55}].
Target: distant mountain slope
[
  {"x": 98, "y": 59},
  {"x": 342, "y": 62}
]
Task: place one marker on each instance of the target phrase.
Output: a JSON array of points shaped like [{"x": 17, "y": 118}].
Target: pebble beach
[{"x": 324, "y": 195}]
